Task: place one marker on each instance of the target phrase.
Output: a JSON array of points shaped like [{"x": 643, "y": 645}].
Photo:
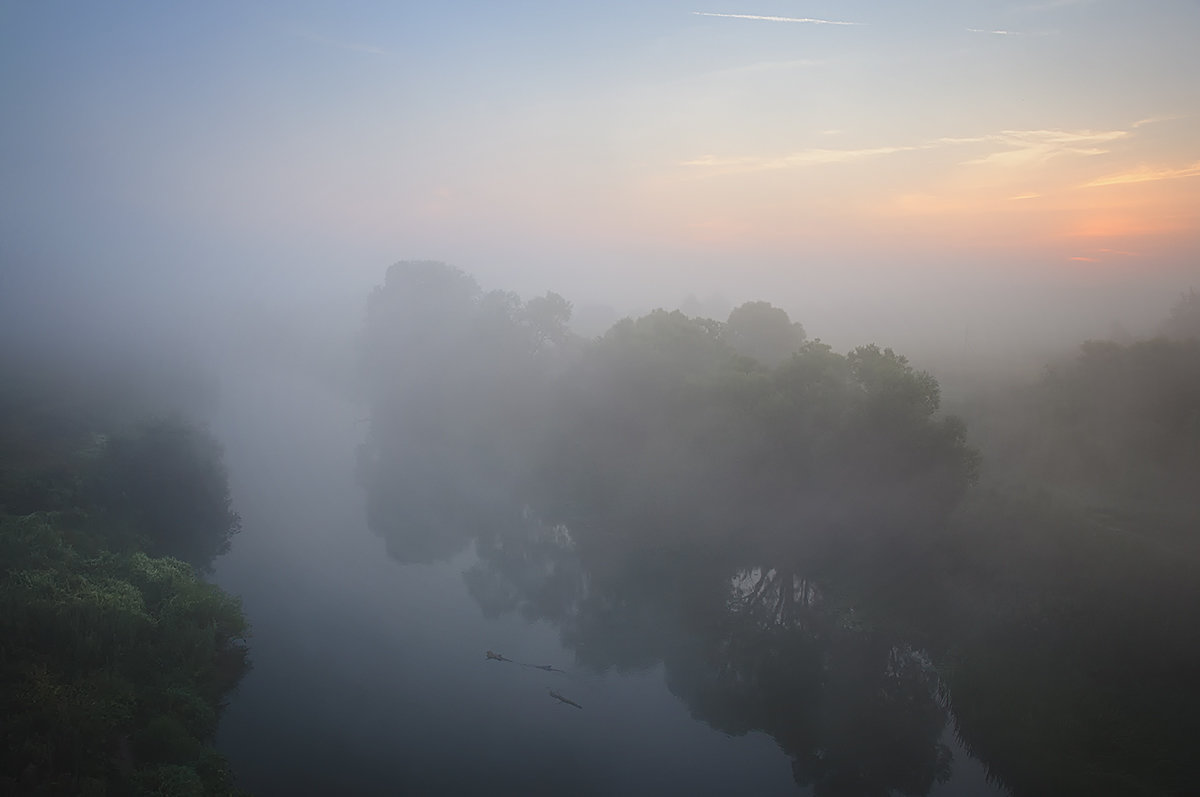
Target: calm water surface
[{"x": 370, "y": 677}]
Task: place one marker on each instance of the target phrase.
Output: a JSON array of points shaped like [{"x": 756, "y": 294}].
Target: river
[{"x": 370, "y": 677}]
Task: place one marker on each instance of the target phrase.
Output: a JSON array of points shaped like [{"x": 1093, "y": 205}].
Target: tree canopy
[
  {"x": 660, "y": 416},
  {"x": 764, "y": 332},
  {"x": 115, "y": 661},
  {"x": 165, "y": 484}
]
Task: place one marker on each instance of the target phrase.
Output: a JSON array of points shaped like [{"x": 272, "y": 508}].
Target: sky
[{"x": 618, "y": 150}]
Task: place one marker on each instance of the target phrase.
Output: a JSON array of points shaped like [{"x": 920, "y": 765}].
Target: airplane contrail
[{"x": 807, "y": 20}]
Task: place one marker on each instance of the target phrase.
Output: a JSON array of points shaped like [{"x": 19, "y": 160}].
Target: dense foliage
[
  {"x": 661, "y": 417},
  {"x": 114, "y": 663},
  {"x": 1114, "y": 425},
  {"x": 1073, "y": 575},
  {"x": 165, "y": 485}
]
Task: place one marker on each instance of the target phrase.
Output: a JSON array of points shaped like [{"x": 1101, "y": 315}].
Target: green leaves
[
  {"x": 100, "y": 649},
  {"x": 113, "y": 662}
]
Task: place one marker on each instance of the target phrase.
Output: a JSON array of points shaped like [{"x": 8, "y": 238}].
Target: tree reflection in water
[{"x": 757, "y": 649}]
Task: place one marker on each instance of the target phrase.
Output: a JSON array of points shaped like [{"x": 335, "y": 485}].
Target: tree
[
  {"x": 458, "y": 382},
  {"x": 548, "y": 317},
  {"x": 416, "y": 323},
  {"x": 1116, "y": 425},
  {"x": 764, "y": 332},
  {"x": 165, "y": 484},
  {"x": 853, "y": 446},
  {"x": 114, "y": 664},
  {"x": 114, "y": 669},
  {"x": 1184, "y": 321}
]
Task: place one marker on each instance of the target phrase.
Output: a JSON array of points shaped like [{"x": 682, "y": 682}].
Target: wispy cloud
[
  {"x": 1039, "y": 34},
  {"x": 1101, "y": 255},
  {"x": 808, "y": 157},
  {"x": 1153, "y": 120},
  {"x": 1021, "y": 147},
  {"x": 1012, "y": 148},
  {"x": 1146, "y": 175},
  {"x": 804, "y": 20}
]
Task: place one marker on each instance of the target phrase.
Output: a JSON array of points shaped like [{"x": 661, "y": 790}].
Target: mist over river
[{"x": 370, "y": 677}]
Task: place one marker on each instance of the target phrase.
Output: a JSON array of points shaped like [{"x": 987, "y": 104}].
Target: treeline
[
  {"x": 116, "y": 654},
  {"x": 1072, "y": 571},
  {"x": 1116, "y": 424},
  {"x": 803, "y": 538},
  {"x": 663, "y": 418}
]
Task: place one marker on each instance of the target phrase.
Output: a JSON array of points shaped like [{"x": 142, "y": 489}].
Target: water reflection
[
  {"x": 862, "y": 676},
  {"x": 748, "y": 649}
]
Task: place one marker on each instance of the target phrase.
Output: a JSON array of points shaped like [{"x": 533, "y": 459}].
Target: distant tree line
[
  {"x": 663, "y": 415},
  {"x": 1073, "y": 571}
]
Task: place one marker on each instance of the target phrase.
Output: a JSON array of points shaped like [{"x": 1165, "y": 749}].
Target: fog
[
  {"x": 425, "y": 402},
  {"x": 426, "y": 471}
]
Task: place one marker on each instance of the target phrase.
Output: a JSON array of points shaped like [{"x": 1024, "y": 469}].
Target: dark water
[{"x": 370, "y": 676}]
